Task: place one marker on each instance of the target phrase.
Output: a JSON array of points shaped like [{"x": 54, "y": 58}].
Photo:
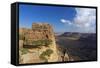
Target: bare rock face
[{"x": 38, "y": 36}]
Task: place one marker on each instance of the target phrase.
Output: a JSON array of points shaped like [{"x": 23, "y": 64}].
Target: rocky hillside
[{"x": 37, "y": 45}]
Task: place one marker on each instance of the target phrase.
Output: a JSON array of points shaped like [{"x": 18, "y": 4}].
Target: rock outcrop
[{"x": 37, "y": 44}]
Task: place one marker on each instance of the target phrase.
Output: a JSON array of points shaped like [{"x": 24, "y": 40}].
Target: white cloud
[
  {"x": 84, "y": 19},
  {"x": 63, "y": 21},
  {"x": 66, "y": 21}
]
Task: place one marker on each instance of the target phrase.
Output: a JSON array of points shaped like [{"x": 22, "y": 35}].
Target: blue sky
[{"x": 63, "y": 19}]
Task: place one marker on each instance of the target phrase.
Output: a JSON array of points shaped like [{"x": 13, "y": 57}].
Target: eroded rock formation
[{"x": 36, "y": 40}]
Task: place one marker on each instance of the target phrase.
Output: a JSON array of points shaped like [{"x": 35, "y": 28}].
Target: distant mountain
[
  {"x": 70, "y": 34},
  {"x": 81, "y": 35},
  {"x": 88, "y": 37},
  {"x": 58, "y": 33}
]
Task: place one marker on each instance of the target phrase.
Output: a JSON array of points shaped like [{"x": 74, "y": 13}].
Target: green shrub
[
  {"x": 41, "y": 42},
  {"x": 24, "y": 51},
  {"x": 47, "y": 42},
  {"x": 38, "y": 43},
  {"x": 46, "y": 54}
]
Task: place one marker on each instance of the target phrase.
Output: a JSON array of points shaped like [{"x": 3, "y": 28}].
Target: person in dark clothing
[{"x": 63, "y": 54}]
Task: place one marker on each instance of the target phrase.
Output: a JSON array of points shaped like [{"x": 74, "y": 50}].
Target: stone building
[{"x": 39, "y": 32}]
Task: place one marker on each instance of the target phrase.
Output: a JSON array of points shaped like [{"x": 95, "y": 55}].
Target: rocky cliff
[{"x": 37, "y": 44}]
